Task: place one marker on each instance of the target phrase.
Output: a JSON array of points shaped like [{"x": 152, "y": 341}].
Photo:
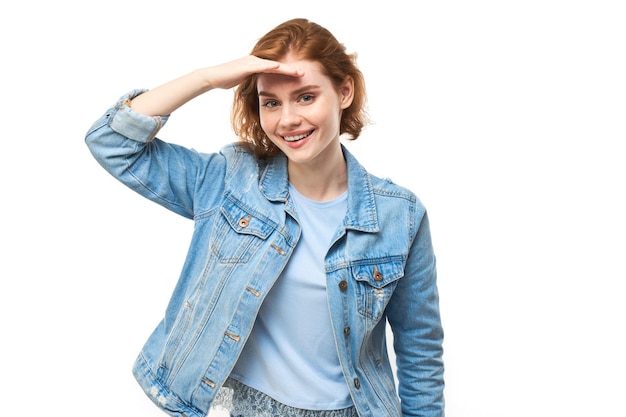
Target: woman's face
[{"x": 301, "y": 115}]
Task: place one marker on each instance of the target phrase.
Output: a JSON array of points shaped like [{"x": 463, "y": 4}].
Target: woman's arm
[
  {"x": 414, "y": 315},
  {"x": 124, "y": 140},
  {"x": 163, "y": 100}
]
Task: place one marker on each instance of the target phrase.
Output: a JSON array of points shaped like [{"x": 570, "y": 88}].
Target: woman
[{"x": 299, "y": 257}]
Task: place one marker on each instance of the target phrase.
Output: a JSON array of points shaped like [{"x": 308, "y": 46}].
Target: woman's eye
[
  {"x": 306, "y": 98},
  {"x": 270, "y": 104}
]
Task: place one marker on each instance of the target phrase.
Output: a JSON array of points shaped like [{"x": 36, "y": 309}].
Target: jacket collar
[{"x": 361, "y": 213}]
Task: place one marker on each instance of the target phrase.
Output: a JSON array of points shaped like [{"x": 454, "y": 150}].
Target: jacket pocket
[
  {"x": 375, "y": 283},
  {"x": 237, "y": 234}
]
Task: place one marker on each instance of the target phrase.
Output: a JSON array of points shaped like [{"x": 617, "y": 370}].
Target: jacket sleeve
[
  {"x": 414, "y": 316},
  {"x": 124, "y": 143}
]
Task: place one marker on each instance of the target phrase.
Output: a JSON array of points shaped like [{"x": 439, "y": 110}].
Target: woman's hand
[{"x": 232, "y": 73}]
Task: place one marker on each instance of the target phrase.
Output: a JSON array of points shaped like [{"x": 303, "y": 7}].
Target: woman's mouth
[{"x": 296, "y": 138}]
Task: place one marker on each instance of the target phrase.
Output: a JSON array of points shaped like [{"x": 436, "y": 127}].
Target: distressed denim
[{"x": 380, "y": 267}]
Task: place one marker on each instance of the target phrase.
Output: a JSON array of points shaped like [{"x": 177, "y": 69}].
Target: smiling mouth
[{"x": 297, "y": 137}]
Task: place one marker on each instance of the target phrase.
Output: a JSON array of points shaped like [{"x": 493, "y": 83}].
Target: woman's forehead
[{"x": 275, "y": 83}]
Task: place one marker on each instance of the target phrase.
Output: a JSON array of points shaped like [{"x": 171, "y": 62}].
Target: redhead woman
[{"x": 299, "y": 257}]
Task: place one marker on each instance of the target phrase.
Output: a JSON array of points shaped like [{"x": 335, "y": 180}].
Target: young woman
[{"x": 299, "y": 256}]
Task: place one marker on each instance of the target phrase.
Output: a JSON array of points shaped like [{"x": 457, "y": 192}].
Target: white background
[{"x": 507, "y": 118}]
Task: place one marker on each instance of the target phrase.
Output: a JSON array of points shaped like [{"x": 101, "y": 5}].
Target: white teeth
[{"x": 295, "y": 138}]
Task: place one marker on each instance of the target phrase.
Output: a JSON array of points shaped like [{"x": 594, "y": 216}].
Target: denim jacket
[{"x": 380, "y": 267}]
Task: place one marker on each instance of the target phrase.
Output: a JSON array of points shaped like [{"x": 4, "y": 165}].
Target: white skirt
[{"x": 242, "y": 401}]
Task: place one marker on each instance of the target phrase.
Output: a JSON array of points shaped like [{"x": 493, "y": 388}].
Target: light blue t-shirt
[{"x": 291, "y": 354}]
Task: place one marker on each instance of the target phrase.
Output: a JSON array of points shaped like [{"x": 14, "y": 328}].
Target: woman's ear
[{"x": 346, "y": 93}]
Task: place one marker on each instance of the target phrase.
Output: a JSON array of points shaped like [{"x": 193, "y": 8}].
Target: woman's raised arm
[{"x": 166, "y": 98}]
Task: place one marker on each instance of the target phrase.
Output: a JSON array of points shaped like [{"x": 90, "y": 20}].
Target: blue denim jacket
[{"x": 380, "y": 266}]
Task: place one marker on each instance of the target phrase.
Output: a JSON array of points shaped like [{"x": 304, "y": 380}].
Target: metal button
[
  {"x": 377, "y": 275},
  {"x": 343, "y": 285},
  {"x": 357, "y": 383},
  {"x": 244, "y": 221},
  {"x": 346, "y": 331}
]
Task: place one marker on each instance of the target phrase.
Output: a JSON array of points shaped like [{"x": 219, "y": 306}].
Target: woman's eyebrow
[{"x": 293, "y": 93}]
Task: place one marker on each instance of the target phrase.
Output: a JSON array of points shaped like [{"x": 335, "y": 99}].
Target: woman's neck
[{"x": 322, "y": 182}]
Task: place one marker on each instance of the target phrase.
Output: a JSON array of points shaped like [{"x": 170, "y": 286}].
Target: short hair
[{"x": 309, "y": 41}]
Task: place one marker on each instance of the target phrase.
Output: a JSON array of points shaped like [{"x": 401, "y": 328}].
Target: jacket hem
[{"x": 159, "y": 394}]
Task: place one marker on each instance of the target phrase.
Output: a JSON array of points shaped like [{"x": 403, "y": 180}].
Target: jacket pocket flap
[
  {"x": 379, "y": 273},
  {"x": 244, "y": 222}
]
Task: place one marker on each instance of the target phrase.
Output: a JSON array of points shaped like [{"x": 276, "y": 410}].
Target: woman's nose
[{"x": 289, "y": 116}]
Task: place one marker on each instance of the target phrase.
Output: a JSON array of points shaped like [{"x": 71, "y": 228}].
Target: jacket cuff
[{"x": 133, "y": 125}]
